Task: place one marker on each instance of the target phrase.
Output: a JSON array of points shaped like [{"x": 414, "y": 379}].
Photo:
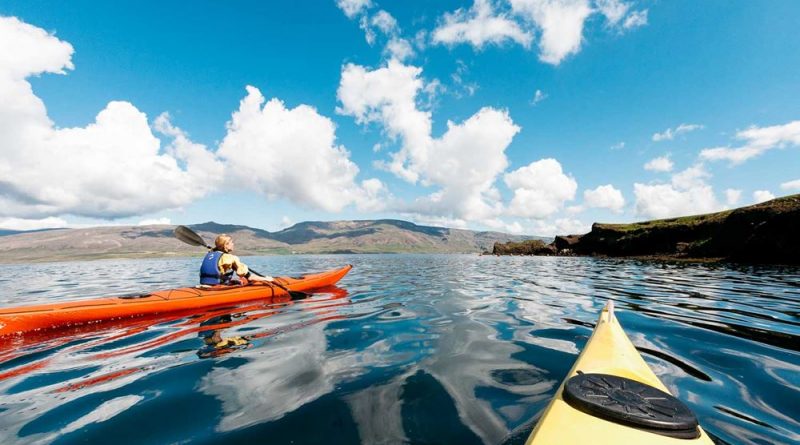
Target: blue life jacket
[{"x": 209, "y": 270}]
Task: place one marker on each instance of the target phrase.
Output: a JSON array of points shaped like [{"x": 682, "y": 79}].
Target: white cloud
[
  {"x": 373, "y": 196},
  {"x": 732, "y": 196},
  {"x": 670, "y": 133},
  {"x": 618, "y": 146},
  {"x": 687, "y": 194},
  {"x": 155, "y": 222},
  {"x": 540, "y": 189},
  {"x": 387, "y": 95},
  {"x": 353, "y": 8},
  {"x": 463, "y": 163},
  {"x": 26, "y": 50},
  {"x": 558, "y": 23},
  {"x": 290, "y": 153},
  {"x": 385, "y": 22},
  {"x": 561, "y": 24},
  {"x": 613, "y": 10},
  {"x": 32, "y": 224},
  {"x": 538, "y": 96},
  {"x": 574, "y": 210},
  {"x": 463, "y": 87},
  {"x": 660, "y": 164},
  {"x": 757, "y": 140},
  {"x": 604, "y": 197},
  {"x": 760, "y": 196},
  {"x": 561, "y": 226},
  {"x": 500, "y": 225},
  {"x": 480, "y": 25},
  {"x": 369, "y": 33},
  {"x": 694, "y": 176},
  {"x": 286, "y": 221},
  {"x": 635, "y": 19},
  {"x": 94, "y": 171},
  {"x": 438, "y": 221},
  {"x": 791, "y": 185},
  {"x": 396, "y": 46},
  {"x": 618, "y": 14},
  {"x": 399, "y": 49}
]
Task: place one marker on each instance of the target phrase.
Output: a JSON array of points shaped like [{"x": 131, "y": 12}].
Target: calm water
[{"x": 408, "y": 349}]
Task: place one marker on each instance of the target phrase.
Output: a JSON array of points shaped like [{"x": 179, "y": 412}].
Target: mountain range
[{"x": 361, "y": 236}]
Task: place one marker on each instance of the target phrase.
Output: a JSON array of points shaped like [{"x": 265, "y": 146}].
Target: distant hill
[
  {"x": 367, "y": 236},
  {"x": 4, "y": 232}
]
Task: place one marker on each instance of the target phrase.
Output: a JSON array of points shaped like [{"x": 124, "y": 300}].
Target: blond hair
[{"x": 222, "y": 241}]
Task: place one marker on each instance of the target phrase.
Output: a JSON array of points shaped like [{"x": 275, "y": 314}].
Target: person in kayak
[{"x": 220, "y": 265}]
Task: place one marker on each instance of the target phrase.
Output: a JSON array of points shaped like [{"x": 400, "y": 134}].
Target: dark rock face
[
  {"x": 529, "y": 247},
  {"x": 563, "y": 242},
  {"x": 762, "y": 233}
]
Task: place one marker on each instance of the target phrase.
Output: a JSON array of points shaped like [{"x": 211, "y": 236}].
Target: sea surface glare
[{"x": 451, "y": 349}]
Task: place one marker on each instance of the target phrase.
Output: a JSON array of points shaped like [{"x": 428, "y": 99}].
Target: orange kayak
[{"x": 19, "y": 320}]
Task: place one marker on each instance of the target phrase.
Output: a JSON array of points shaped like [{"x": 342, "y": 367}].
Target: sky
[{"x": 534, "y": 117}]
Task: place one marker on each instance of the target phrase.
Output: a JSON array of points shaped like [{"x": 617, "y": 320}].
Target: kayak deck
[
  {"x": 608, "y": 351},
  {"x": 23, "y": 319}
]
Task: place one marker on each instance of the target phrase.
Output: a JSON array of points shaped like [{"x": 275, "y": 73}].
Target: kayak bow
[
  {"x": 611, "y": 396},
  {"x": 19, "y": 320}
]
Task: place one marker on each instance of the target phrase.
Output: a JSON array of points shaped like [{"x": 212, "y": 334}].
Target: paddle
[{"x": 191, "y": 237}]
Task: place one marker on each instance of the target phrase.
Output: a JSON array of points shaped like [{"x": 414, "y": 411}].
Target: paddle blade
[{"x": 189, "y": 236}]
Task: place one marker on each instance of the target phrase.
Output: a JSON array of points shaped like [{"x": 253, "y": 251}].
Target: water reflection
[{"x": 417, "y": 349}]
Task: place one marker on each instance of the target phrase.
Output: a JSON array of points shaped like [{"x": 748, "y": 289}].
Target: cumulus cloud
[
  {"x": 635, "y": 19},
  {"x": 732, "y": 196},
  {"x": 291, "y": 153},
  {"x": 154, "y": 222},
  {"x": 540, "y": 189},
  {"x": 660, "y": 164},
  {"x": 286, "y": 221},
  {"x": 791, "y": 185},
  {"x": 369, "y": 32},
  {"x": 50, "y": 222},
  {"x": 760, "y": 196},
  {"x": 353, "y": 8},
  {"x": 388, "y": 95},
  {"x": 670, "y": 133},
  {"x": 463, "y": 163},
  {"x": 385, "y": 22},
  {"x": 513, "y": 227},
  {"x": 560, "y": 22},
  {"x": 618, "y": 14},
  {"x": 561, "y": 226},
  {"x": 480, "y": 25},
  {"x": 688, "y": 193},
  {"x": 399, "y": 49},
  {"x": 757, "y": 140},
  {"x": 462, "y": 87},
  {"x": 114, "y": 167},
  {"x": 604, "y": 197}
]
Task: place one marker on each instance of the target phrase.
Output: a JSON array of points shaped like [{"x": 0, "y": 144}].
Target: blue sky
[{"x": 528, "y": 116}]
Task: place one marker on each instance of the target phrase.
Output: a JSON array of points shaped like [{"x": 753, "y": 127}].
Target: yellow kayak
[{"x": 611, "y": 396}]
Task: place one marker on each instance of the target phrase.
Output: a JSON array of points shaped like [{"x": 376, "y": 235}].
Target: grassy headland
[{"x": 761, "y": 233}]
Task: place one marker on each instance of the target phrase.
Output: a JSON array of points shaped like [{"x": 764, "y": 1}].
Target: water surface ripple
[{"x": 407, "y": 349}]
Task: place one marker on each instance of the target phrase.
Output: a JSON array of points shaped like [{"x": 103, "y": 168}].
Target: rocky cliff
[{"x": 761, "y": 233}]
